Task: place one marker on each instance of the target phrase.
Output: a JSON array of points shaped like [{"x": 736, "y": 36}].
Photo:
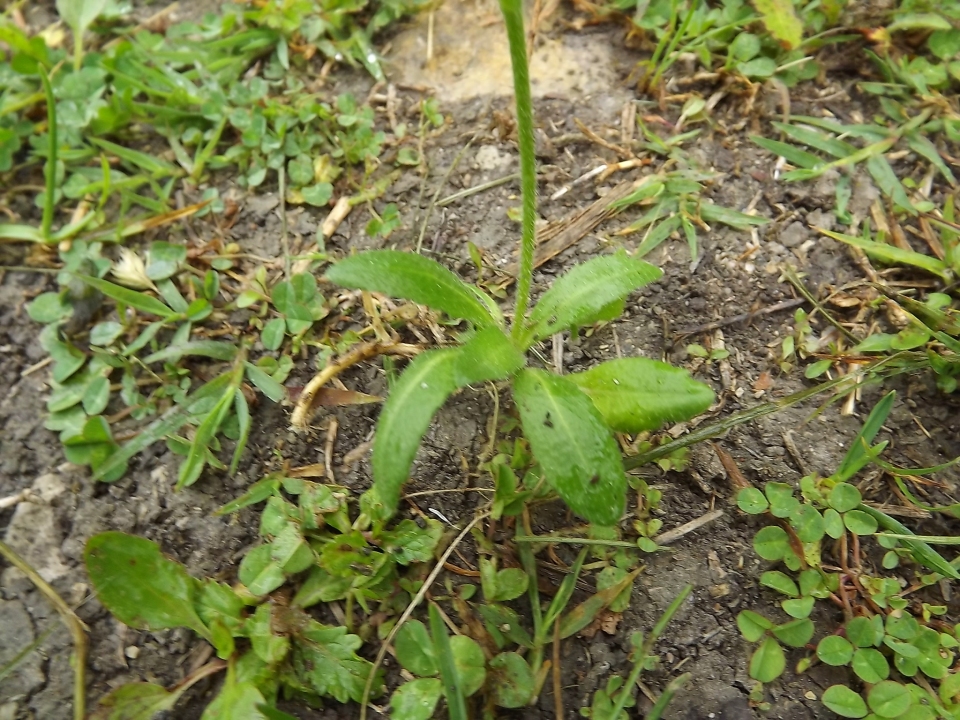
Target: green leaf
[
  {"x": 411, "y": 277},
  {"x": 844, "y": 497},
  {"x": 137, "y": 300},
  {"x": 835, "y": 650},
  {"x": 919, "y": 21},
  {"x": 272, "y": 334},
  {"x": 236, "y": 700},
  {"x": 859, "y": 522},
  {"x": 637, "y": 394},
  {"x": 326, "y": 658},
  {"x": 792, "y": 154},
  {"x": 512, "y": 680},
  {"x": 469, "y": 662},
  {"x": 265, "y": 384},
  {"x": 808, "y": 523},
  {"x": 260, "y": 572},
  {"x": 79, "y": 14},
  {"x": 833, "y": 523},
  {"x": 419, "y": 392},
  {"x": 416, "y": 700},
  {"x": 139, "y": 586},
  {"x": 857, "y": 456},
  {"x": 752, "y": 625},
  {"x": 863, "y": 633},
  {"x": 195, "y": 348},
  {"x": 581, "y": 294},
  {"x": 771, "y": 543},
  {"x": 768, "y": 661},
  {"x": 870, "y": 665},
  {"x": 137, "y": 701},
  {"x": 844, "y": 702},
  {"x": 578, "y": 454},
  {"x": 798, "y": 607},
  {"x": 488, "y": 355},
  {"x": 407, "y": 542},
  {"x": 893, "y": 255},
  {"x": 752, "y": 501},
  {"x": 776, "y": 580},
  {"x": 795, "y": 633},
  {"x": 49, "y": 307},
  {"x": 317, "y": 195},
  {"x": 781, "y": 20},
  {"x": 889, "y": 699},
  {"x": 415, "y": 650},
  {"x": 710, "y": 212}
]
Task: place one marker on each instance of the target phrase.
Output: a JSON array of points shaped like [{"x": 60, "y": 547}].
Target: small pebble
[{"x": 132, "y": 652}]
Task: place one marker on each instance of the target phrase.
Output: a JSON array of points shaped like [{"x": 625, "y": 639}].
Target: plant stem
[
  {"x": 547, "y": 539},
  {"x": 513, "y": 19},
  {"x": 50, "y": 169}
]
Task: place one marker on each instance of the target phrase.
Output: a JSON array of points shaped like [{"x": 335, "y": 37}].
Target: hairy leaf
[
  {"x": 636, "y": 394},
  {"x": 585, "y": 292},
  {"x": 412, "y": 277},
  {"x": 421, "y": 390},
  {"x": 141, "y": 587},
  {"x": 578, "y": 454}
]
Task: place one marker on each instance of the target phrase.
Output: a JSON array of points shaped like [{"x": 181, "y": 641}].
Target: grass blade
[{"x": 456, "y": 703}]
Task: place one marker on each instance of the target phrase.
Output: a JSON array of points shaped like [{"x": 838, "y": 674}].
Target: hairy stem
[
  {"x": 50, "y": 169},
  {"x": 513, "y": 19}
]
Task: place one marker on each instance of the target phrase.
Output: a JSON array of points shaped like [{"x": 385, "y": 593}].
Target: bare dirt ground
[{"x": 579, "y": 75}]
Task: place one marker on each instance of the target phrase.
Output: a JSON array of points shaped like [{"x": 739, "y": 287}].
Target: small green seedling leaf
[
  {"x": 577, "y": 297},
  {"x": 844, "y": 497},
  {"x": 782, "y": 583},
  {"x": 415, "y": 650},
  {"x": 768, "y": 661},
  {"x": 416, "y": 700},
  {"x": 752, "y": 501},
  {"x": 569, "y": 439},
  {"x": 835, "y": 650},
  {"x": 771, "y": 543},
  {"x": 870, "y": 665},
  {"x": 844, "y": 702},
  {"x": 753, "y": 625},
  {"x": 864, "y": 633},
  {"x": 139, "y": 586},
  {"x": 637, "y": 394},
  {"x": 889, "y": 699},
  {"x": 411, "y": 277},
  {"x": 795, "y": 633},
  {"x": 422, "y": 388},
  {"x": 798, "y": 607}
]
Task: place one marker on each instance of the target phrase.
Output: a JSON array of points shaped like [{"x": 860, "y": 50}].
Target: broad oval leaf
[
  {"x": 637, "y": 394},
  {"x": 581, "y": 295},
  {"x": 415, "y": 650},
  {"x": 411, "y": 277},
  {"x": 139, "y": 586},
  {"x": 418, "y": 394},
  {"x": 768, "y": 661},
  {"x": 569, "y": 439}
]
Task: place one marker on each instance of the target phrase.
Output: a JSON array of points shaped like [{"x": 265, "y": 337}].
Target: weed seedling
[{"x": 569, "y": 419}]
